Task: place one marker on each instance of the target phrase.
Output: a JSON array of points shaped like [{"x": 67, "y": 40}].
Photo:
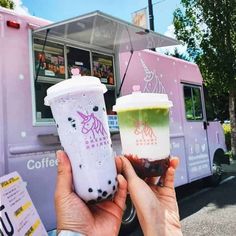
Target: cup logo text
[{"x": 145, "y": 134}]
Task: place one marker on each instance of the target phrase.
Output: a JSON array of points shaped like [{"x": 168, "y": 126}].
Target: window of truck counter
[
  {"x": 103, "y": 68},
  {"x": 54, "y": 64},
  {"x": 78, "y": 58},
  {"x": 50, "y": 62},
  {"x": 49, "y": 68}
]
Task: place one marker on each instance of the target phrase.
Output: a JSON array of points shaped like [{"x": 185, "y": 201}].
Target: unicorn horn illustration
[{"x": 92, "y": 124}]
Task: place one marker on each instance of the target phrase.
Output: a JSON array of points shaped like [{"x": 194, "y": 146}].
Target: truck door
[{"x": 195, "y": 129}]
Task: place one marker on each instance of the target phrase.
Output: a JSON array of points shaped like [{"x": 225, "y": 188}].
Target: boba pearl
[
  {"x": 90, "y": 190},
  {"x": 109, "y": 196},
  {"x": 104, "y": 193},
  {"x": 109, "y": 181},
  {"x": 95, "y": 108}
]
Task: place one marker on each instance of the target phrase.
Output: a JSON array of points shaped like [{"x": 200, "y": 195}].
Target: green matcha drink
[{"x": 144, "y": 129}]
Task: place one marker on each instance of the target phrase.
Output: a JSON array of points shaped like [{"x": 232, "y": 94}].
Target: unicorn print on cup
[
  {"x": 92, "y": 125},
  {"x": 143, "y": 130}
]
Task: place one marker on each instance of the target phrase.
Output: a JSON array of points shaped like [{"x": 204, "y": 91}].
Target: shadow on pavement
[{"x": 221, "y": 196}]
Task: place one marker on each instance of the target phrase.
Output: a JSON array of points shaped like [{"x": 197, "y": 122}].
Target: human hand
[
  {"x": 73, "y": 214},
  {"x": 156, "y": 206}
]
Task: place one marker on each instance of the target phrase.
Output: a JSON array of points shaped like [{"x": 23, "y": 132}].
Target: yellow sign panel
[
  {"x": 9, "y": 182},
  {"x": 20, "y": 210},
  {"x": 33, "y": 228}
]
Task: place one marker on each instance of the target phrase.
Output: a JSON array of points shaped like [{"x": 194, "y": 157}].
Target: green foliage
[
  {"x": 209, "y": 30},
  {"x": 7, "y": 4},
  {"x": 227, "y": 132}
]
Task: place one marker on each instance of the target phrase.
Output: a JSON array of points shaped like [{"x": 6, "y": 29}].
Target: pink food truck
[{"x": 35, "y": 54}]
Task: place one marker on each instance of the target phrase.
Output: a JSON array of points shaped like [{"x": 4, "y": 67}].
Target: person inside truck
[{"x": 156, "y": 205}]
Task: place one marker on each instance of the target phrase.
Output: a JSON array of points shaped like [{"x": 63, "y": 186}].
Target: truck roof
[{"x": 37, "y": 21}]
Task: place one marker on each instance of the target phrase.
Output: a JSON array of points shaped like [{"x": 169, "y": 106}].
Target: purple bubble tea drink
[
  {"x": 79, "y": 110},
  {"x": 144, "y": 129}
]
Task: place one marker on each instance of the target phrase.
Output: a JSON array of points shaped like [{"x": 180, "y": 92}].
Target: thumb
[
  {"x": 64, "y": 175},
  {"x": 128, "y": 169}
]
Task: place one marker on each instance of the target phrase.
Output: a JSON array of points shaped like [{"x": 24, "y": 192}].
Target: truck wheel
[
  {"x": 216, "y": 176},
  {"x": 129, "y": 220}
]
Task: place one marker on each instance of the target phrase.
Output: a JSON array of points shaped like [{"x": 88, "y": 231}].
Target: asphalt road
[
  {"x": 211, "y": 211},
  {"x": 206, "y": 211}
]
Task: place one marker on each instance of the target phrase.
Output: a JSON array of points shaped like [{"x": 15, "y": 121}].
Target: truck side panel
[
  {"x": 30, "y": 150},
  {"x": 2, "y": 126}
]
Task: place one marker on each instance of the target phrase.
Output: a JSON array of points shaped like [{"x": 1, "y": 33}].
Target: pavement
[{"x": 230, "y": 169}]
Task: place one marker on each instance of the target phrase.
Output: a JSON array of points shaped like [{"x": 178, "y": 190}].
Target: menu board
[
  {"x": 103, "y": 68},
  {"x": 18, "y": 215},
  {"x": 50, "y": 61}
]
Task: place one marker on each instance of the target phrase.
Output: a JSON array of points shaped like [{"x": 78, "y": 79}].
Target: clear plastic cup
[
  {"x": 79, "y": 111},
  {"x": 144, "y": 129}
]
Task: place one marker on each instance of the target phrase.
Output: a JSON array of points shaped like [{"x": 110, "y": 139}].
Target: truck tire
[
  {"x": 216, "y": 176},
  {"x": 129, "y": 221}
]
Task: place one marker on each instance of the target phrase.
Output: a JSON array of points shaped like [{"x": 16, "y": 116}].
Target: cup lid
[
  {"x": 76, "y": 83},
  {"x": 138, "y": 100}
]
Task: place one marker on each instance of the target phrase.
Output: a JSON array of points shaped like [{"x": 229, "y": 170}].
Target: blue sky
[{"x": 57, "y": 10}]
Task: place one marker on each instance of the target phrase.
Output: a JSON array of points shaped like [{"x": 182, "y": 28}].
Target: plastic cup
[
  {"x": 144, "y": 129},
  {"x": 79, "y": 111}
]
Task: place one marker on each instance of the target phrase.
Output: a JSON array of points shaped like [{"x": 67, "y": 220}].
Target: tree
[
  {"x": 7, "y": 4},
  {"x": 178, "y": 54},
  {"x": 209, "y": 30}
]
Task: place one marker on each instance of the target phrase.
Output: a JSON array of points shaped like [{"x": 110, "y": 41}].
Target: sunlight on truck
[{"x": 36, "y": 54}]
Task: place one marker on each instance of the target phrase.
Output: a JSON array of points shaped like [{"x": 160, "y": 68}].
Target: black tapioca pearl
[
  {"x": 99, "y": 198},
  {"x": 95, "y": 108},
  {"x": 104, "y": 193},
  {"x": 91, "y": 202},
  {"x": 57, "y": 126},
  {"x": 103, "y": 109},
  {"x": 72, "y": 121},
  {"x": 109, "y": 196},
  {"x": 90, "y": 190},
  {"x": 109, "y": 181},
  {"x": 80, "y": 166},
  {"x": 99, "y": 190},
  {"x": 114, "y": 188}
]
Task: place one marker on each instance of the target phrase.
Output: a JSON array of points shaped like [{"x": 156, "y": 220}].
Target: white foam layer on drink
[
  {"x": 155, "y": 147},
  {"x": 142, "y": 100},
  {"x": 69, "y": 86}
]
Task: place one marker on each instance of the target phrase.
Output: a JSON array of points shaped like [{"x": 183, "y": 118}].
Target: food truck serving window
[
  {"x": 78, "y": 58},
  {"x": 49, "y": 63},
  {"x": 54, "y": 64},
  {"x": 103, "y": 68}
]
